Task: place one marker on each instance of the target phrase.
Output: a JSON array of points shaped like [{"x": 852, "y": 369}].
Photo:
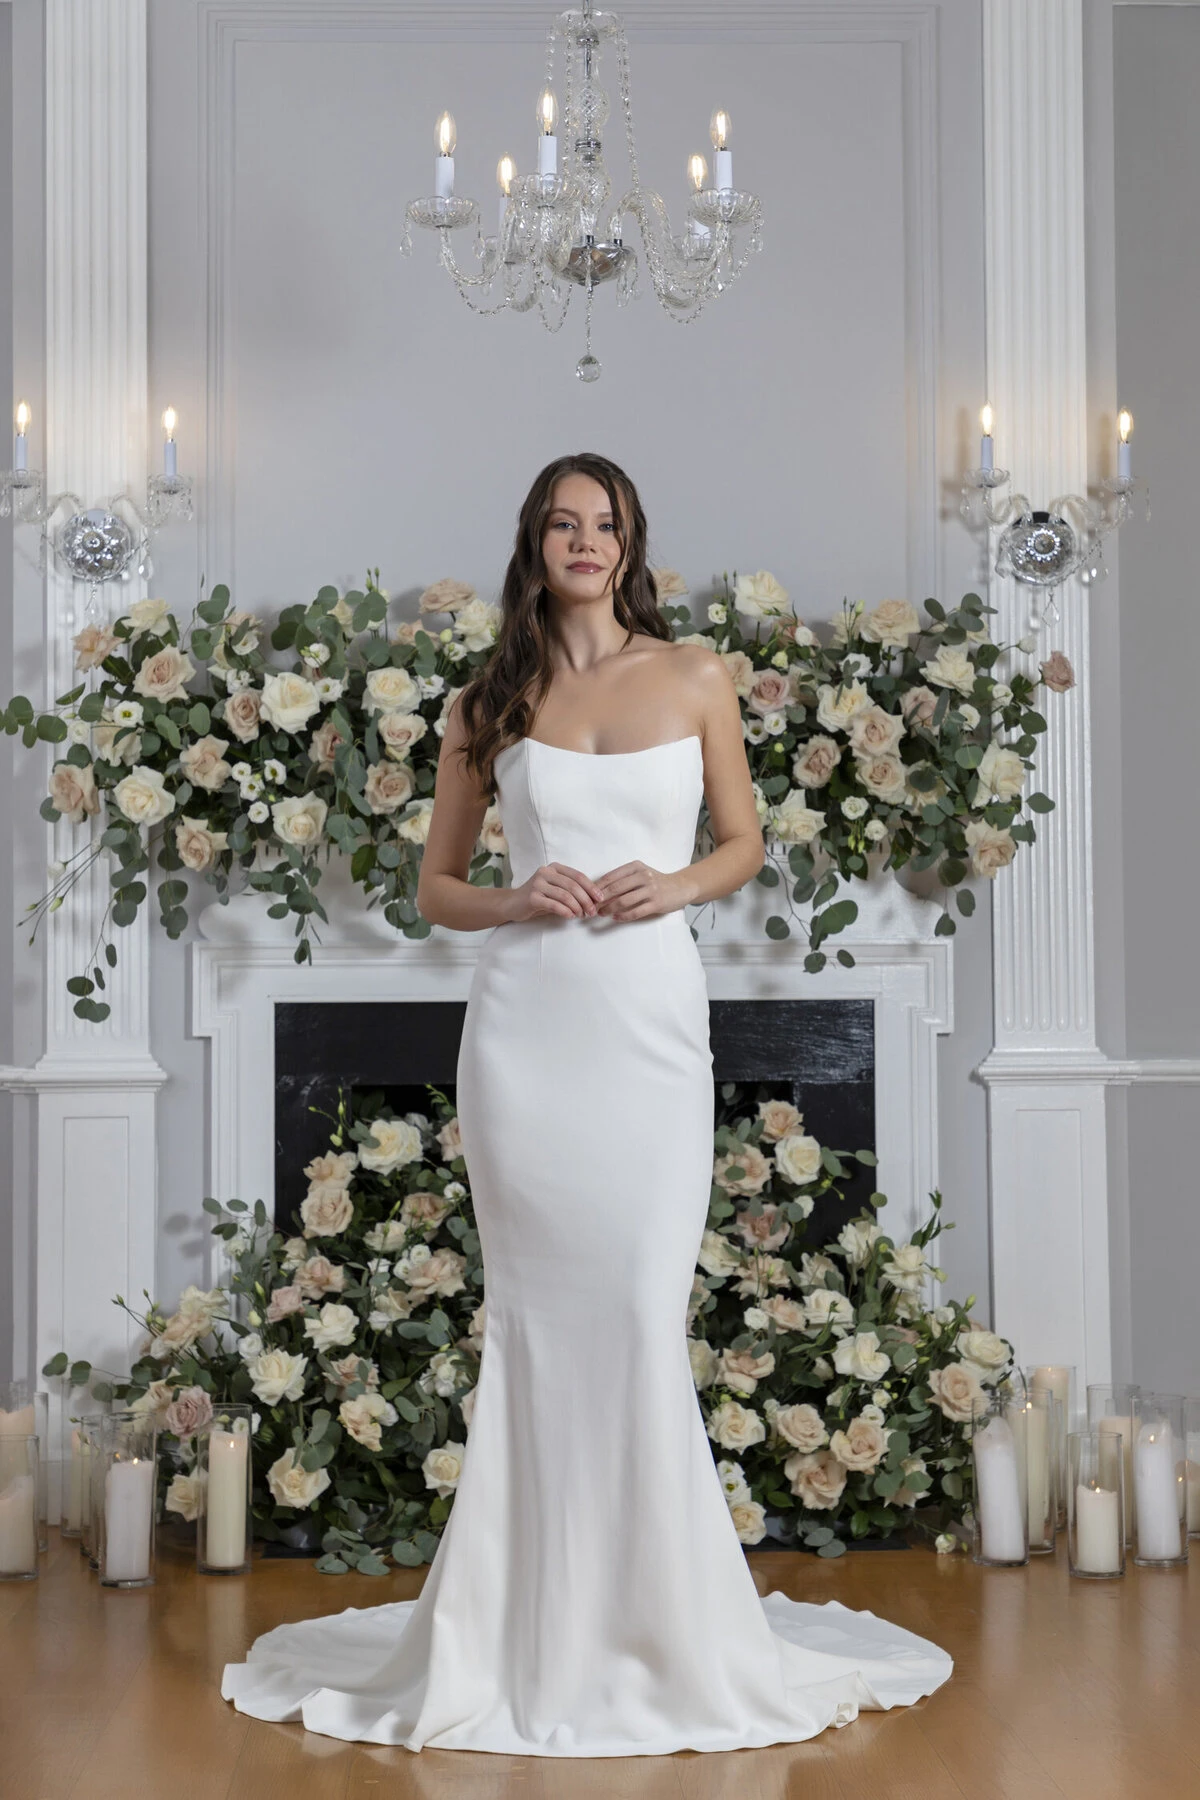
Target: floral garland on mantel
[
  {"x": 894, "y": 743},
  {"x": 837, "y": 1401}
]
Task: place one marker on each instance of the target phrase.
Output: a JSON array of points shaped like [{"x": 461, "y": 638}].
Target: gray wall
[{"x": 1156, "y": 68}]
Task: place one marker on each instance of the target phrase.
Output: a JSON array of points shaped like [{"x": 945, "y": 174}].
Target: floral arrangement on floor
[
  {"x": 895, "y": 744},
  {"x": 836, "y": 1402}
]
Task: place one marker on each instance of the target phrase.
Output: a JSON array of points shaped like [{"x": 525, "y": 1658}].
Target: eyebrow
[{"x": 575, "y": 515}]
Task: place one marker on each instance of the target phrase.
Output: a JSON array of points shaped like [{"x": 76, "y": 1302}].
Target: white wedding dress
[{"x": 589, "y": 1596}]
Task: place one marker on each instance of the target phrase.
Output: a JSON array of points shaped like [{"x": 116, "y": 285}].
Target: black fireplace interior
[{"x": 820, "y": 1054}]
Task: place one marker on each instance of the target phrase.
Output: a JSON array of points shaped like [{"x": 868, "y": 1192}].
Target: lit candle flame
[
  {"x": 1125, "y": 425},
  {"x": 170, "y": 419},
  {"x": 547, "y": 111},
  {"x": 719, "y": 129},
  {"x": 445, "y": 135},
  {"x": 506, "y": 172},
  {"x": 697, "y": 172},
  {"x": 985, "y": 419}
]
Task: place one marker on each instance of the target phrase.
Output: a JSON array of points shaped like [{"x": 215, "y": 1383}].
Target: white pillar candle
[
  {"x": 998, "y": 1493},
  {"x": 18, "y": 1526},
  {"x": 1110, "y": 1426},
  {"x": 17, "y": 1424},
  {"x": 1056, "y": 1378},
  {"x": 1097, "y": 1531},
  {"x": 225, "y": 1504},
  {"x": 1193, "y": 1497},
  {"x": 1156, "y": 1482},
  {"x": 74, "y": 1480},
  {"x": 128, "y": 1508}
]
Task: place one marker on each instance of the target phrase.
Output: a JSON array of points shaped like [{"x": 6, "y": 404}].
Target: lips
[{"x": 585, "y": 568}]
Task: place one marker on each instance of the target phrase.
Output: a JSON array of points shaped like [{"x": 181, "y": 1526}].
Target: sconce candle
[
  {"x": 21, "y": 442},
  {"x": 506, "y": 173},
  {"x": 443, "y": 163},
  {"x": 170, "y": 450},
  {"x": 547, "y": 118},
  {"x": 1124, "y": 447},
  {"x": 987, "y": 443},
  {"x": 719, "y": 130}
]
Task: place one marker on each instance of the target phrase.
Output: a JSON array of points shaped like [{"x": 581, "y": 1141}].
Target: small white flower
[
  {"x": 274, "y": 771},
  {"x": 755, "y": 1319},
  {"x": 259, "y": 813},
  {"x": 317, "y": 654},
  {"x": 127, "y": 712},
  {"x": 754, "y": 729},
  {"x": 774, "y": 723},
  {"x": 854, "y": 807},
  {"x": 855, "y": 665},
  {"x": 329, "y": 688},
  {"x": 875, "y": 830},
  {"x": 945, "y": 1543},
  {"x": 969, "y": 715},
  {"x": 718, "y": 612},
  {"x": 55, "y": 869},
  {"x": 241, "y": 771},
  {"x": 454, "y": 1190},
  {"x": 251, "y": 787},
  {"x": 431, "y": 685},
  {"x": 881, "y": 1397},
  {"x": 237, "y": 678},
  {"x": 1001, "y": 694},
  {"x": 1027, "y": 645},
  {"x": 455, "y": 652},
  {"x": 78, "y": 731},
  {"x": 780, "y": 659}
]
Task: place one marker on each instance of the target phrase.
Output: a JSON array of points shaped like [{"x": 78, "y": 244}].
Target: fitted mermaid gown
[{"x": 589, "y": 1595}]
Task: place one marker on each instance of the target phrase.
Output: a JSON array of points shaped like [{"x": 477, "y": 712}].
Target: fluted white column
[
  {"x": 94, "y": 1085},
  {"x": 1046, "y": 1075}
]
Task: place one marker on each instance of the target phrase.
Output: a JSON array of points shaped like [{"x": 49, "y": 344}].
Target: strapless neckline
[{"x": 693, "y": 737}]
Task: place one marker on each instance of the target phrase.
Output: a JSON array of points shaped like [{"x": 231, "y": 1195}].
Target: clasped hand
[{"x": 632, "y": 891}]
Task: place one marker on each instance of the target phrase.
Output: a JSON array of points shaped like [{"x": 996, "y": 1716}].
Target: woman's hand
[
  {"x": 636, "y": 891},
  {"x": 555, "y": 888}
]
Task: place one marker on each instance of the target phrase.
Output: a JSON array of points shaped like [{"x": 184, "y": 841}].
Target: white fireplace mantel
[{"x": 245, "y": 968}]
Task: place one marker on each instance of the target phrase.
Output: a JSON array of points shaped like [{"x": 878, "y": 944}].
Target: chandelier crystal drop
[{"x": 559, "y": 228}]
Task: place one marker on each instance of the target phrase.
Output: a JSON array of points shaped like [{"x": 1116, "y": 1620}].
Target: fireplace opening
[{"x": 819, "y": 1054}]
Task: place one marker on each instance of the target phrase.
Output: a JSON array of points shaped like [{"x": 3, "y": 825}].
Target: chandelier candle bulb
[
  {"x": 723, "y": 156},
  {"x": 1124, "y": 447},
  {"x": 987, "y": 443},
  {"x": 547, "y": 117},
  {"x": 443, "y": 163},
  {"x": 21, "y": 442},
  {"x": 506, "y": 170},
  {"x": 170, "y": 466}
]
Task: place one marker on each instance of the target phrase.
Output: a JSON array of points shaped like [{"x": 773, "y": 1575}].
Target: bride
[{"x": 589, "y": 1595}]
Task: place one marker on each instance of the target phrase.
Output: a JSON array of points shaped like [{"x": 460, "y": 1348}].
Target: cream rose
[
  {"x": 92, "y": 645},
  {"x": 322, "y": 745},
  {"x": 838, "y": 707},
  {"x": 741, "y": 671},
  {"x": 442, "y": 1467},
  {"x": 73, "y": 791},
  {"x": 300, "y": 819},
  {"x": 815, "y": 762},
  {"x": 884, "y": 777},
  {"x": 861, "y": 1446},
  {"x": 111, "y": 749},
  {"x": 788, "y": 1315},
  {"x": 766, "y": 1230},
  {"x": 332, "y": 1169},
  {"x": 818, "y": 1480},
  {"x": 780, "y": 1118},
  {"x": 388, "y": 787},
  {"x": 190, "y": 1410},
  {"x": 432, "y": 1271},
  {"x": 277, "y": 1375},
  {"x": 801, "y": 1426},
  {"x": 1001, "y": 772},
  {"x": 991, "y": 848},
  {"x": 392, "y": 1304},
  {"x": 891, "y": 624},
  {"x": 165, "y": 675},
  {"x": 825, "y": 1308},
  {"x": 198, "y": 845},
  {"x": 813, "y": 1269},
  {"x": 325, "y": 1211},
  {"x": 717, "y": 1255},
  {"x": 951, "y": 668},
  {"x": 446, "y": 596},
  {"x": 391, "y": 690},
  {"x": 203, "y": 764},
  {"x": 798, "y": 1157},
  {"x": 288, "y": 701},
  {"x": 704, "y": 1361},
  {"x": 906, "y": 1268},
  {"x": 477, "y": 624},
  {"x": 295, "y": 1487},
  {"x": 240, "y": 713},
  {"x": 364, "y": 1418},
  {"x": 742, "y": 1370},
  {"x": 984, "y": 1353},
  {"x": 861, "y": 1357},
  {"x": 669, "y": 584},
  {"x": 143, "y": 797},
  {"x": 760, "y": 596},
  {"x": 185, "y": 1495},
  {"x": 423, "y": 1210},
  {"x": 334, "y": 1326},
  {"x": 148, "y": 615},
  {"x": 749, "y": 1521},
  {"x": 155, "y": 1401},
  {"x": 386, "y": 1237},
  {"x": 875, "y": 733},
  {"x": 735, "y": 1427},
  {"x": 857, "y": 1239},
  {"x": 918, "y": 706},
  {"x": 399, "y": 731},
  {"x": 393, "y": 1142},
  {"x": 491, "y": 832},
  {"x": 793, "y": 822},
  {"x": 772, "y": 691},
  {"x": 1057, "y": 673},
  {"x": 956, "y": 1390},
  {"x": 316, "y": 1276},
  {"x": 284, "y": 1302},
  {"x": 755, "y": 1167}
]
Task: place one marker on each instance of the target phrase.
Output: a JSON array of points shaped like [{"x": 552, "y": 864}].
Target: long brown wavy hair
[{"x": 499, "y": 704}]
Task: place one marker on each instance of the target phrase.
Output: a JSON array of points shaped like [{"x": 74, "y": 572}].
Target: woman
[{"x": 589, "y": 1596}]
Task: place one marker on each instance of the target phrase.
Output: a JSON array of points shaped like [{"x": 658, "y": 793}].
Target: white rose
[
  {"x": 760, "y": 596},
  {"x": 185, "y": 1495},
  {"x": 854, "y": 807},
  {"x": 906, "y": 1268},
  {"x": 293, "y": 1486},
  {"x": 300, "y": 819},
  {"x": 861, "y": 1357},
  {"x": 856, "y": 1241},
  {"x": 143, "y": 797},
  {"x": 801, "y": 1426},
  {"x": 826, "y": 1307},
  {"x": 891, "y": 624},
  {"x": 793, "y": 822},
  {"x": 950, "y": 668},
  {"x": 992, "y": 847},
  {"x": 148, "y": 615},
  {"x": 396, "y": 1142},
  {"x": 477, "y": 624},
  {"x": 749, "y": 1521},
  {"x": 1001, "y": 771},
  {"x": 414, "y": 826},
  {"x": 956, "y": 1390},
  {"x": 391, "y": 690},
  {"x": 798, "y": 1157},
  {"x": 364, "y": 1418},
  {"x": 983, "y": 1352},
  {"x": 838, "y": 707},
  {"x": 969, "y": 715},
  {"x": 717, "y": 1255},
  {"x": 288, "y": 701},
  {"x": 442, "y": 1467},
  {"x": 1001, "y": 694},
  {"x": 334, "y": 1326},
  {"x": 276, "y": 1375},
  {"x": 875, "y": 830}
]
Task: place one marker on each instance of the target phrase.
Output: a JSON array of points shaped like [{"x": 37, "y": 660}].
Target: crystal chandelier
[{"x": 558, "y": 229}]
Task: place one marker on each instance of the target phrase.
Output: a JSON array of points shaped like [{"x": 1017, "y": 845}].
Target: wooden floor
[{"x": 1085, "y": 1690}]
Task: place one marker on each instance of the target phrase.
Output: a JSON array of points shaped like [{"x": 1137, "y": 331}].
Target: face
[{"x": 580, "y": 547}]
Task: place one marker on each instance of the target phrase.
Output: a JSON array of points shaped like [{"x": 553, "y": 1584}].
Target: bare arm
[
  {"x": 444, "y": 895},
  {"x": 632, "y": 891}
]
